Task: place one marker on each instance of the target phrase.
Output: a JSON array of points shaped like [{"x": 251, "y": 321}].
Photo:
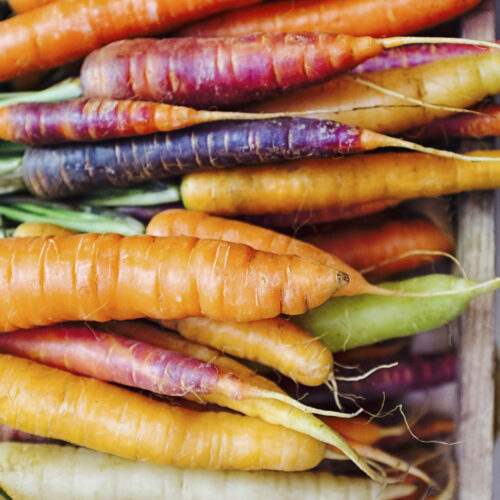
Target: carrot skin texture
[
  {"x": 112, "y": 358},
  {"x": 221, "y": 72},
  {"x": 102, "y": 277},
  {"x": 462, "y": 125},
  {"x": 355, "y": 17},
  {"x": 66, "y": 30},
  {"x": 319, "y": 184},
  {"x": 369, "y": 243},
  {"x": 71, "y": 169},
  {"x": 92, "y": 119},
  {"x": 201, "y": 225},
  {"x": 87, "y": 412},
  {"x": 409, "y": 56}
]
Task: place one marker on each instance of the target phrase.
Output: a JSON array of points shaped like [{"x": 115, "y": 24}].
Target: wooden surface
[{"x": 476, "y": 251}]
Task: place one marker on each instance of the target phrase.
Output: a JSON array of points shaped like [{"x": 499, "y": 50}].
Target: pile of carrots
[{"x": 219, "y": 221}]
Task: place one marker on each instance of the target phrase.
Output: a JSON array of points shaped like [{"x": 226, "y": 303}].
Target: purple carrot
[
  {"x": 8, "y": 433},
  {"x": 71, "y": 169},
  {"x": 415, "y": 55},
  {"x": 462, "y": 125},
  {"x": 220, "y": 71},
  {"x": 411, "y": 373}
]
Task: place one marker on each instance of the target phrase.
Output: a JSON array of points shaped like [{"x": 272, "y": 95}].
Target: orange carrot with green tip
[
  {"x": 356, "y": 17},
  {"x": 319, "y": 184},
  {"x": 101, "y": 277},
  {"x": 66, "y": 30},
  {"x": 87, "y": 412}
]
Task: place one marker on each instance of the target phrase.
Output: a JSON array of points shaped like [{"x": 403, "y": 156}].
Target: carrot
[
  {"x": 200, "y": 225},
  {"x": 72, "y": 169},
  {"x": 356, "y": 17},
  {"x": 368, "y": 243},
  {"x": 458, "y": 82},
  {"x": 484, "y": 124},
  {"x": 415, "y": 55},
  {"x": 9, "y": 434},
  {"x": 302, "y": 218},
  {"x": 66, "y": 30},
  {"x": 87, "y": 412},
  {"x": 27, "y": 229},
  {"x": 117, "y": 359},
  {"x": 35, "y": 471},
  {"x": 272, "y": 411},
  {"x": 101, "y": 277},
  {"x": 207, "y": 72},
  {"x": 276, "y": 342},
  {"x": 349, "y": 322},
  {"x": 20, "y": 6},
  {"x": 319, "y": 184}
]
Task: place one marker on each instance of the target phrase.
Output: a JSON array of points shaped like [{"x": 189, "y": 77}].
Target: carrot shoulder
[
  {"x": 66, "y": 30},
  {"x": 102, "y": 277},
  {"x": 53, "y": 403}
]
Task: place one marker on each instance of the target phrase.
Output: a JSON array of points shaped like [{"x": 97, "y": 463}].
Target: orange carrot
[
  {"x": 200, "y": 225},
  {"x": 366, "y": 244},
  {"x": 41, "y": 229},
  {"x": 356, "y": 17},
  {"x": 275, "y": 342},
  {"x": 53, "y": 403},
  {"x": 318, "y": 184},
  {"x": 20, "y": 6},
  {"x": 66, "y": 30},
  {"x": 101, "y": 277}
]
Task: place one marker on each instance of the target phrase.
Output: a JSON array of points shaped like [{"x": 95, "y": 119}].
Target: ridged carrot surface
[
  {"x": 317, "y": 184},
  {"x": 53, "y": 403},
  {"x": 66, "y": 30},
  {"x": 102, "y": 277},
  {"x": 219, "y": 71},
  {"x": 365, "y": 17},
  {"x": 201, "y": 225}
]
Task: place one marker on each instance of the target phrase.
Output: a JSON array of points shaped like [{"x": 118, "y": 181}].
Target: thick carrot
[
  {"x": 50, "y": 472},
  {"x": 276, "y": 342},
  {"x": 27, "y": 229},
  {"x": 458, "y": 82},
  {"x": 102, "y": 277},
  {"x": 96, "y": 119},
  {"x": 484, "y": 124},
  {"x": 319, "y": 184},
  {"x": 20, "y": 6},
  {"x": 367, "y": 243},
  {"x": 207, "y": 72},
  {"x": 348, "y": 322},
  {"x": 54, "y": 403},
  {"x": 71, "y": 169},
  {"x": 303, "y": 218},
  {"x": 356, "y": 17},
  {"x": 200, "y": 225},
  {"x": 66, "y": 30},
  {"x": 113, "y": 358},
  {"x": 409, "y": 56}
]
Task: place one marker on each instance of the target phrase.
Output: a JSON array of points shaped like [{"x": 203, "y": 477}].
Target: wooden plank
[{"x": 476, "y": 251}]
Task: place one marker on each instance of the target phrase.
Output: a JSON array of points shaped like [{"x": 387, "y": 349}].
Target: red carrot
[
  {"x": 207, "y": 72},
  {"x": 355, "y": 17},
  {"x": 462, "y": 125},
  {"x": 66, "y": 30}
]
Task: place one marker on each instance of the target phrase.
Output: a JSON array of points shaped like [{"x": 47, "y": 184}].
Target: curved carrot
[
  {"x": 318, "y": 184},
  {"x": 103, "y": 277},
  {"x": 365, "y": 17},
  {"x": 275, "y": 342},
  {"x": 182, "y": 222},
  {"x": 20, "y": 6},
  {"x": 27, "y": 229},
  {"x": 207, "y": 72},
  {"x": 54, "y": 403},
  {"x": 66, "y": 30},
  {"x": 367, "y": 244}
]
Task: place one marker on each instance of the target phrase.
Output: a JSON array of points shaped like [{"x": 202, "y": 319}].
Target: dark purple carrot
[
  {"x": 125, "y": 361},
  {"x": 72, "y": 169},
  {"x": 415, "y": 55},
  {"x": 411, "y": 373},
  {"x": 208, "y": 72},
  {"x": 485, "y": 124}
]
